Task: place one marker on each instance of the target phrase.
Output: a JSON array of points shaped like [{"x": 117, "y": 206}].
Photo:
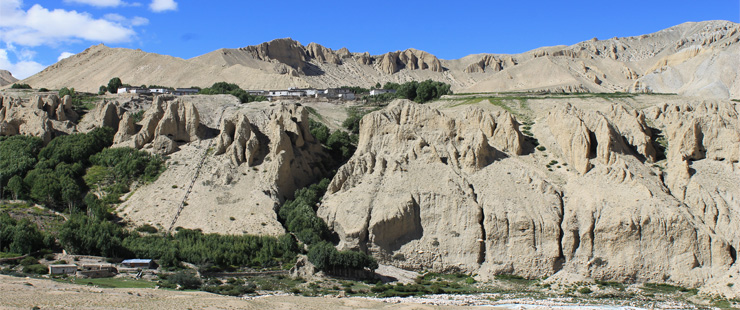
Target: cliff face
[{"x": 427, "y": 190}]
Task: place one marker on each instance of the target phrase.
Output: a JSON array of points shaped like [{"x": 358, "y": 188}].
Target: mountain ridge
[{"x": 656, "y": 62}]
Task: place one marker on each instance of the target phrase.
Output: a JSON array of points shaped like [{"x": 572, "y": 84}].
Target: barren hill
[
  {"x": 6, "y": 78},
  {"x": 693, "y": 59}
]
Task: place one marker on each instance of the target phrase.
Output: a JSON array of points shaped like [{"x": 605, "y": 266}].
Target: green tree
[
  {"x": 102, "y": 90},
  {"x": 340, "y": 143},
  {"x": 83, "y": 235},
  {"x": 26, "y": 238},
  {"x": 319, "y": 131},
  {"x": 15, "y": 185},
  {"x": 17, "y": 157},
  {"x": 114, "y": 84},
  {"x": 426, "y": 91},
  {"x": 66, "y": 91},
  {"x": 407, "y": 90}
]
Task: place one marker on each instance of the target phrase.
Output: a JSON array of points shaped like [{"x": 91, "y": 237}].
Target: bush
[
  {"x": 147, "y": 229},
  {"x": 36, "y": 269},
  {"x": 585, "y": 290},
  {"x": 20, "y": 86},
  {"x": 325, "y": 257},
  {"x": 185, "y": 280},
  {"x": 28, "y": 261}
]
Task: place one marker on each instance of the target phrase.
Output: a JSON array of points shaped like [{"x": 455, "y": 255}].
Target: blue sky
[{"x": 35, "y": 34}]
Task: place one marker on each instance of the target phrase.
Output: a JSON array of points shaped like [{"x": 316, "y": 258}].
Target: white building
[
  {"x": 124, "y": 90},
  {"x": 132, "y": 90},
  {"x": 159, "y": 90},
  {"x": 63, "y": 269},
  {"x": 374, "y": 92}
]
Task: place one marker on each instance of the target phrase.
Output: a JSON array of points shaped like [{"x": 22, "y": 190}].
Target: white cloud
[
  {"x": 21, "y": 69},
  {"x": 139, "y": 21},
  {"x": 163, "y": 5},
  {"x": 135, "y": 21},
  {"x": 65, "y": 55},
  {"x": 98, "y": 3},
  {"x": 40, "y": 26}
]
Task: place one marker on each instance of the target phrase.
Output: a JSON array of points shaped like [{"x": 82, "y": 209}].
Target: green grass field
[{"x": 111, "y": 282}]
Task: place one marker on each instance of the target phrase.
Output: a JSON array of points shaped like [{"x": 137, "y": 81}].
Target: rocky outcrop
[
  {"x": 105, "y": 114},
  {"x": 587, "y": 136},
  {"x": 411, "y": 144},
  {"x": 286, "y": 51},
  {"x": 490, "y": 63},
  {"x": 325, "y": 55},
  {"x": 573, "y": 137},
  {"x": 702, "y": 131},
  {"x": 237, "y": 139},
  {"x": 410, "y": 59},
  {"x": 35, "y": 117},
  {"x": 282, "y": 142},
  {"x": 126, "y": 128},
  {"x": 166, "y": 123},
  {"x": 427, "y": 191},
  {"x": 261, "y": 156},
  {"x": 6, "y": 78}
]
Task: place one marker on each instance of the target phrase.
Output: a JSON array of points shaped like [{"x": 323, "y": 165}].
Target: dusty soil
[{"x": 25, "y": 293}]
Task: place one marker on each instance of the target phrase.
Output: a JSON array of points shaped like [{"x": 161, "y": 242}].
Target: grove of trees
[{"x": 232, "y": 89}]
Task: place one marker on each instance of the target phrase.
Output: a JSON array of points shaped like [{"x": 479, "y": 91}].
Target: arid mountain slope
[
  {"x": 693, "y": 59},
  {"x": 6, "y": 78}
]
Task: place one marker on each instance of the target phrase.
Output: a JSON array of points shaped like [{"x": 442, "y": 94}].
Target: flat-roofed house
[
  {"x": 138, "y": 263},
  {"x": 63, "y": 269}
]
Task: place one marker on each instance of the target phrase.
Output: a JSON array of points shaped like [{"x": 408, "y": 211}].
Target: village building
[
  {"x": 339, "y": 93},
  {"x": 257, "y": 92},
  {"x": 374, "y": 92},
  {"x": 185, "y": 91},
  {"x": 159, "y": 91},
  {"x": 132, "y": 90},
  {"x": 62, "y": 269},
  {"x": 138, "y": 263}
]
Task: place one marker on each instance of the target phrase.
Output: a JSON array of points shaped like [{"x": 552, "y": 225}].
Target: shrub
[
  {"x": 185, "y": 280},
  {"x": 28, "y": 261},
  {"x": 36, "y": 269},
  {"x": 20, "y": 86},
  {"x": 585, "y": 290},
  {"x": 147, "y": 229}
]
